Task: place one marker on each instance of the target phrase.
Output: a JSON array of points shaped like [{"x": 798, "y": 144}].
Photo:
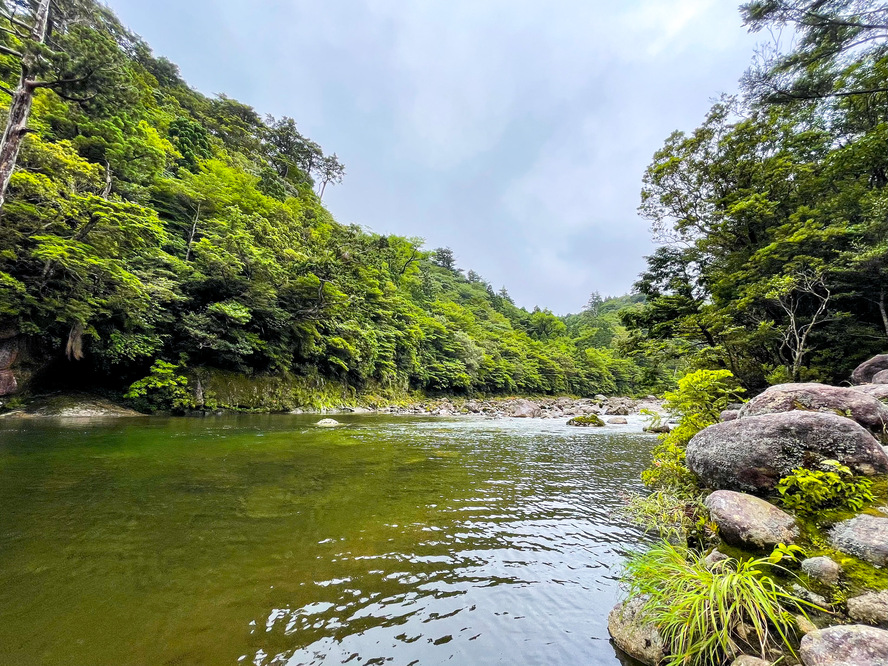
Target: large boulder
[
  {"x": 524, "y": 409},
  {"x": 747, "y": 521},
  {"x": 870, "y": 608},
  {"x": 881, "y": 377},
  {"x": 752, "y": 454},
  {"x": 878, "y": 391},
  {"x": 864, "y": 373},
  {"x": 863, "y": 536},
  {"x": 865, "y": 409},
  {"x": 852, "y": 645},
  {"x": 633, "y": 635}
]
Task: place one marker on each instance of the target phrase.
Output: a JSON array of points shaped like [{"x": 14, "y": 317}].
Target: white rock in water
[{"x": 328, "y": 423}]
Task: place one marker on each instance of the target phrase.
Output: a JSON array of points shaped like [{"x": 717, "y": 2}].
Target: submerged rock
[
  {"x": 863, "y": 408},
  {"x": 870, "y": 608},
  {"x": 864, "y": 536},
  {"x": 744, "y": 520},
  {"x": 853, "y": 645},
  {"x": 327, "y": 423},
  {"x": 753, "y": 453},
  {"x": 864, "y": 373},
  {"x": 822, "y": 569},
  {"x": 634, "y": 636}
]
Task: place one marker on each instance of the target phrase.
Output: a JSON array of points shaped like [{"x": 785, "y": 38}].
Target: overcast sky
[{"x": 514, "y": 131}]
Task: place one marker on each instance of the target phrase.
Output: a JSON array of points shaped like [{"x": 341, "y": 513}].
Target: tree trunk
[
  {"x": 883, "y": 311},
  {"x": 20, "y": 108}
]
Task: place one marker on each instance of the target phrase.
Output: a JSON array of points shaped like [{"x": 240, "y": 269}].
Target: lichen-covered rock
[
  {"x": 864, "y": 373},
  {"x": 865, "y": 409},
  {"x": 729, "y": 415},
  {"x": 744, "y": 520},
  {"x": 327, "y": 423},
  {"x": 878, "y": 391},
  {"x": 864, "y": 536},
  {"x": 880, "y": 377},
  {"x": 524, "y": 409},
  {"x": 753, "y": 453},
  {"x": 852, "y": 645},
  {"x": 822, "y": 569},
  {"x": 590, "y": 420},
  {"x": 634, "y": 636},
  {"x": 746, "y": 660},
  {"x": 870, "y": 608}
]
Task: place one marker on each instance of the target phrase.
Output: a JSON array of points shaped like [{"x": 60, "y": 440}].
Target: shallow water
[{"x": 265, "y": 540}]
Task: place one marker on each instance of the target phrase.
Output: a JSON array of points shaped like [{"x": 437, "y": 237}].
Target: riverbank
[{"x": 83, "y": 405}]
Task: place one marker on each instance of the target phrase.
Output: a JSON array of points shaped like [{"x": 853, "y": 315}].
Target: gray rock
[
  {"x": 878, "y": 391},
  {"x": 327, "y": 423},
  {"x": 8, "y": 383},
  {"x": 729, "y": 415},
  {"x": 870, "y": 608},
  {"x": 822, "y": 569},
  {"x": 618, "y": 420},
  {"x": 752, "y": 454},
  {"x": 812, "y": 597},
  {"x": 524, "y": 409},
  {"x": 880, "y": 377},
  {"x": 661, "y": 428},
  {"x": 852, "y": 645},
  {"x": 744, "y": 520},
  {"x": 634, "y": 636},
  {"x": 712, "y": 560},
  {"x": 864, "y": 536},
  {"x": 865, "y": 409},
  {"x": 864, "y": 373},
  {"x": 746, "y": 660},
  {"x": 804, "y": 625}
]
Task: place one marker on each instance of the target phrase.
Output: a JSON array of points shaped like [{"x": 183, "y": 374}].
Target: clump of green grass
[
  {"x": 708, "y": 616},
  {"x": 671, "y": 514}
]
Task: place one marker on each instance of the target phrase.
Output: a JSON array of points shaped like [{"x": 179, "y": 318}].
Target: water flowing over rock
[
  {"x": 752, "y": 454},
  {"x": 744, "y": 520},
  {"x": 864, "y": 536},
  {"x": 864, "y": 373},
  {"x": 634, "y": 636},
  {"x": 853, "y": 645},
  {"x": 870, "y": 608},
  {"x": 865, "y": 409}
]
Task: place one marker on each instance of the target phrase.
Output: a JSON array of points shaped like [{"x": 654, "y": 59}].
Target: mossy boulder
[{"x": 590, "y": 420}]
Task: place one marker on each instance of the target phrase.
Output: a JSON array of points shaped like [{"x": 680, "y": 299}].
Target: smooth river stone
[
  {"x": 853, "y": 645},
  {"x": 744, "y": 520}
]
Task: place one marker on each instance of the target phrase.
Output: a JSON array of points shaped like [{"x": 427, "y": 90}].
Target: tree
[
  {"x": 57, "y": 49},
  {"x": 330, "y": 170},
  {"x": 443, "y": 257}
]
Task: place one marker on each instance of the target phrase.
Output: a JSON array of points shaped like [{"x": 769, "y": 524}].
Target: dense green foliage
[
  {"x": 834, "y": 486},
  {"x": 702, "y": 612},
  {"x": 772, "y": 214},
  {"x": 149, "y": 223},
  {"x": 697, "y": 403}
]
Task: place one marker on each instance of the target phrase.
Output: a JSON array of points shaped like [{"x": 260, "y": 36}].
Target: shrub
[
  {"x": 697, "y": 403},
  {"x": 162, "y": 390},
  {"x": 807, "y": 491},
  {"x": 704, "y": 614}
]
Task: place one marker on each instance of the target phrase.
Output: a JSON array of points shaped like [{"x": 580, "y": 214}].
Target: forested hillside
[
  {"x": 149, "y": 226},
  {"x": 773, "y": 214}
]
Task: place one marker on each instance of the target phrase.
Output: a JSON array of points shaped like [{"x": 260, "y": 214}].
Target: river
[{"x": 265, "y": 540}]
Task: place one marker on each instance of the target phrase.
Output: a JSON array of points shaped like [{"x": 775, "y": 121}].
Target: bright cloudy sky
[{"x": 515, "y": 132}]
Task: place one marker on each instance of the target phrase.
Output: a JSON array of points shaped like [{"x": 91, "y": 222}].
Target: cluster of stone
[{"x": 787, "y": 427}]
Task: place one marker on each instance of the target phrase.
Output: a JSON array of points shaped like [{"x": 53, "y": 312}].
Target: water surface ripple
[{"x": 265, "y": 540}]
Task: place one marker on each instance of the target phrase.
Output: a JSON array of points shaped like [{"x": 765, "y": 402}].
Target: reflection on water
[{"x": 264, "y": 540}]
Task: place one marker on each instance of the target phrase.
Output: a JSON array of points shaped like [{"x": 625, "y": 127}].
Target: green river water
[{"x": 266, "y": 540}]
